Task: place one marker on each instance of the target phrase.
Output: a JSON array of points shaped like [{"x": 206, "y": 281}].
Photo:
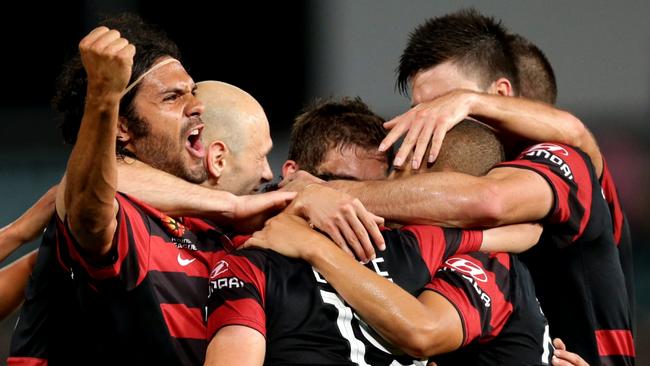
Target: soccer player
[
  {"x": 137, "y": 276},
  {"x": 552, "y": 182},
  {"x": 537, "y": 81},
  {"x": 251, "y": 298},
  {"x": 230, "y": 115}
]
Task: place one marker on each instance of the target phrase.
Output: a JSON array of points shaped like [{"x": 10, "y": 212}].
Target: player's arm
[
  {"x": 236, "y": 345},
  {"x": 177, "y": 197},
  {"x": 527, "y": 119},
  {"x": 503, "y": 196},
  {"x": 28, "y": 226},
  {"x": 87, "y": 199},
  {"x": 514, "y": 238},
  {"x": 13, "y": 280}
]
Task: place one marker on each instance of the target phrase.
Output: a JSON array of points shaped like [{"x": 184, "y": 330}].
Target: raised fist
[{"x": 108, "y": 59}]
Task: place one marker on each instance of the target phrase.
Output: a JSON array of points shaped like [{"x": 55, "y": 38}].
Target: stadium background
[{"x": 285, "y": 53}]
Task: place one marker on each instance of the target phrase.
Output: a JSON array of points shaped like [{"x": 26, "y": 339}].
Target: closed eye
[{"x": 170, "y": 97}]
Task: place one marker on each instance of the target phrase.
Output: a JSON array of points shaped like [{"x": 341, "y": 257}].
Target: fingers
[
  {"x": 91, "y": 37},
  {"x": 371, "y": 224},
  {"x": 335, "y": 234},
  {"x": 562, "y": 357},
  {"x": 410, "y": 140},
  {"x": 106, "y": 39},
  {"x": 280, "y": 200},
  {"x": 398, "y": 125},
  {"x": 390, "y": 124},
  {"x": 358, "y": 230},
  {"x": 255, "y": 242},
  {"x": 557, "y": 343},
  {"x": 422, "y": 144}
]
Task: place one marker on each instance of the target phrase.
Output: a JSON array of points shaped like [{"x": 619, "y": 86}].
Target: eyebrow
[{"x": 178, "y": 90}]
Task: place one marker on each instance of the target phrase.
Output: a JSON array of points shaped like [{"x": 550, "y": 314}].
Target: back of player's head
[
  {"x": 470, "y": 148},
  {"x": 151, "y": 44},
  {"x": 536, "y": 76},
  {"x": 330, "y": 124},
  {"x": 475, "y": 43}
]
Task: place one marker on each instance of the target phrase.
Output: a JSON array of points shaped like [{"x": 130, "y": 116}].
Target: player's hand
[
  {"x": 297, "y": 181},
  {"x": 30, "y": 225},
  {"x": 342, "y": 217},
  {"x": 424, "y": 123},
  {"x": 562, "y": 357},
  {"x": 107, "y": 59},
  {"x": 251, "y": 211},
  {"x": 288, "y": 235}
]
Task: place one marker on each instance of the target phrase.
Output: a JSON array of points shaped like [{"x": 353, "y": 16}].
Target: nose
[
  {"x": 267, "y": 175},
  {"x": 194, "y": 107}
]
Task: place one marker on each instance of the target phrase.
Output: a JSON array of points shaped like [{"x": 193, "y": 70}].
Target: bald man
[{"x": 238, "y": 137}]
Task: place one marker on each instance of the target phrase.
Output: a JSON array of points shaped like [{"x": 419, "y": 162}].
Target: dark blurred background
[{"x": 286, "y": 53}]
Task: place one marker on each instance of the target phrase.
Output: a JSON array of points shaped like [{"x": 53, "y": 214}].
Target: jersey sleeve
[
  {"x": 473, "y": 286},
  {"x": 127, "y": 262},
  {"x": 571, "y": 177},
  {"x": 436, "y": 244},
  {"x": 237, "y": 292}
]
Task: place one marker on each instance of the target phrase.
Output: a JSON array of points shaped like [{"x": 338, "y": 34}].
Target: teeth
[{"x": 194, "y": 133}]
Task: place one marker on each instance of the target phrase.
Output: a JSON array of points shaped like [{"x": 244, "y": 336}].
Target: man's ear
[
  {"x": 123, "y": 136},
  {"x": 502, "y": 86},
  {"x": 289, "y": 167},
  {"x": 216, "y": 159}
]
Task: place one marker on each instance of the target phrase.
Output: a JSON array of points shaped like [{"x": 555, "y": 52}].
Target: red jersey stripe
[
  {"x": 183, "y": 322},
  {"x": 615, "y": 343},
  {"x": 246, "y": 312},
  {"x": 26, "y": 361}
]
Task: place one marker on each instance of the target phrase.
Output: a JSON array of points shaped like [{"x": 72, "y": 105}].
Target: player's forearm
[
  {"x": 534, "y": 121},
  {"x": 91, "y": 174},
  {"x": 173, "y": 195},
  {"x": 10, "y": 240},
  {"x": 445, "y": 199},
  {"x": 396, "y": 315},
  {"x": 13, "y": 280},
  {"x": 515, "y": 238},
  {"x": 29, "y": 225}
]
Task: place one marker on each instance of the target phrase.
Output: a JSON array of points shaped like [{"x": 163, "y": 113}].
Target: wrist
[
  {"x": 225, "y": 205},
  {"x": 313, "y": 253},
  {"x": 98, "y": 96}
]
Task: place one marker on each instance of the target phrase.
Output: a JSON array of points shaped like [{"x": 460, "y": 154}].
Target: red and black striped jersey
[
  {"x": 306, "y": 321},
  {"x": 576, "y": 265},
  {"x": 145, "y": 305},
  {"x": 302, "y": 317},
  {"x": 622, "y": 235},
  {"x": 503, "y": 323}
]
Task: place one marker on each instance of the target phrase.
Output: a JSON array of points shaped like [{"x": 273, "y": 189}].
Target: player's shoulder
[{"x": 263, "y": 258}]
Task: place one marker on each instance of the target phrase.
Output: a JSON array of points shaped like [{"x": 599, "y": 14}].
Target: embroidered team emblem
[
  {"x": 172, "y": 226},
  {"x": 468, "y": 268}
]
